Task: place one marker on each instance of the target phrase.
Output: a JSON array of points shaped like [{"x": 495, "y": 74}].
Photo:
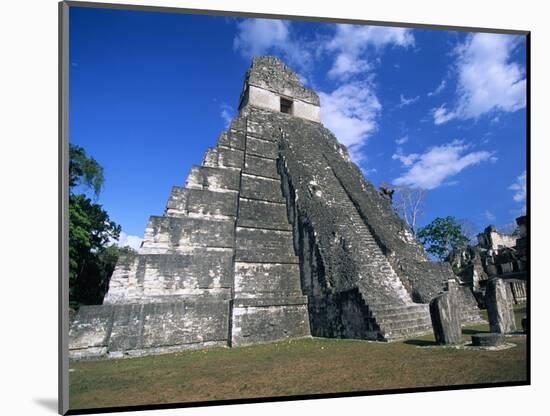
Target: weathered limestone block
[
  {"x": 262, "y": 148},
  {"x": 211, "y": 157},
  {"x": 260, "y": 128},
  {"x": 164, "y": 234},
  {"x": 157, "y": 276},
  {"x": 232, "y": 139},
  {"x": 201, "y": 203},
  {"x": 445, "y": 315},
  {"x": 261, "y": 166},
  {"x": 254, "y": 278},
  {"x": 498, "y": 298},
  {"x": 228, "y": 157},
  {"x": 126, "y": 333},
  {"x": 268, "y": 320},
  {"x": 262, "y": 214},
  {"x": 90, "y": 330},
  {"x": 265, "y": 189},
  {"x": 213, "y": 179},
  {"x": 137, "y": 329},
  {"x": 264, "y": 246},
  {"x": 188, "y": 322}
]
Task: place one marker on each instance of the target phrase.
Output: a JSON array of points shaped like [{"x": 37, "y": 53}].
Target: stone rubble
[{"x": 495, "y": 255}]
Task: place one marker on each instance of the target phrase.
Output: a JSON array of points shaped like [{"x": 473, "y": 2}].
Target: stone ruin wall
[{"x": 496, "y": 255}]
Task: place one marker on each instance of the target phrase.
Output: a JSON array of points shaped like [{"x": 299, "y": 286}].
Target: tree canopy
[
  {"x": 84, "y": 170},
  {"x": 92, "y": 254},
  {"x": 442, "y": 236}
]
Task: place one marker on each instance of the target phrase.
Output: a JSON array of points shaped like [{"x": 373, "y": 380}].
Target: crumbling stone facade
[
  {"x": 496, "y": 255},
  {"x": 275, "y": 235}
]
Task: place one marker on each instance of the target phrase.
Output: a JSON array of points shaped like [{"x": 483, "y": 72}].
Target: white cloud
[
  {"x": 350, "y": 112},
  {"x": 439, "y": 88},
  {"x": 487, "y": 80},
  {"x": 430, "y": 169},
  {"x": 226, "y": 114},
  {"x": 351, "y": 41},
  {"x": 407, "y": 101},
  {"x": 347, "y": 64},
  {"x": 489, "y": 216},
  {"x": 265, "y": 36},
  {"x": 128, "y": 240},
  {"x": 258, "y": 36},
  {"x": 402, "y": 140},
  {"x": 520, "y": 187},
  {"x": 406, "y": 160},
  {"x": 442, "y": 115}
]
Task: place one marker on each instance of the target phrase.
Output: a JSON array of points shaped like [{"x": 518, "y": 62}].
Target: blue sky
[{"x": 437, "y": 110}]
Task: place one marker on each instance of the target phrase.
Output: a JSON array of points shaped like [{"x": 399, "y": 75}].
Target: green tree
[
  {"x": 84, "y": 170},
  {"x": 92, "y": 256},
  {"x": 90, "y": 231},
  {"x": 442, "y": 236}
]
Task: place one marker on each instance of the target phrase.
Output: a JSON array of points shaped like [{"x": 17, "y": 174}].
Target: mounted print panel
[{"x": 281, "y": 207}]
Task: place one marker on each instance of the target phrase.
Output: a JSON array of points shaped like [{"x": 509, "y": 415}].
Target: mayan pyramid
[{"x": 276, "y": 235}]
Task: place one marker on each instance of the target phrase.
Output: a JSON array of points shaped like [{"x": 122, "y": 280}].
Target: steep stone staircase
[{"x": 391, "y": 309}]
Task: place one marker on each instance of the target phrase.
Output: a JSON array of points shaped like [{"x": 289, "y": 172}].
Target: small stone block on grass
[
  {"x": 445, "y": 319},
  {"x": 491, "y": 339}
]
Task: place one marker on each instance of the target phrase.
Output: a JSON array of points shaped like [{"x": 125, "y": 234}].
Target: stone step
[
  {"x": 406, "y": 332},
  {"x": 392, "y": 309},
  {"x": 260, "y": 188},
  {"x": 257, "y": 165},
  {"x": 268, "y": 301},
  {"x": 264, "y": 246},
  {"x": 214, "y": 179},
  {"x": 259, "y": 214},
  {"x": 381, "y": 319},
  {"x": 232, "y": 139},
  {"x": 155, "y": 275},
  {"x": 262, "y": 148},
  {"x": 266, "y": 277},
  {"x": 211, "y": 157},
  {"x": 230, "y": 158},
  {"x": 201, "y": 203},
  {"x": 186, "y": 233},
  {"x": 404, "y": 324}
]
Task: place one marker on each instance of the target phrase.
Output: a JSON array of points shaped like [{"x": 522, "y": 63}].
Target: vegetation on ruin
[
  {"x": 301, "y": 366},
  {"x": 92, "y": 256},
  {"x": 442, "y": 236}
]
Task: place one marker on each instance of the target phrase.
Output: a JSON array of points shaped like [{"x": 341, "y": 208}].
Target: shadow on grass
[{"x": 420, "y": 342}]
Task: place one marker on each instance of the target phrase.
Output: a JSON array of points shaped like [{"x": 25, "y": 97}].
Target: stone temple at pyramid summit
[{"x": 276, "y": 235}]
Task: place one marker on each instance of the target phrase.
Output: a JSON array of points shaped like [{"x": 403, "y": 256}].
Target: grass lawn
[{"x": 304, "y": 366}]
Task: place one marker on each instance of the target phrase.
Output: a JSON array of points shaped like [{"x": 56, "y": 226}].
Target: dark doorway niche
[{"x": 286, "y": 106}]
